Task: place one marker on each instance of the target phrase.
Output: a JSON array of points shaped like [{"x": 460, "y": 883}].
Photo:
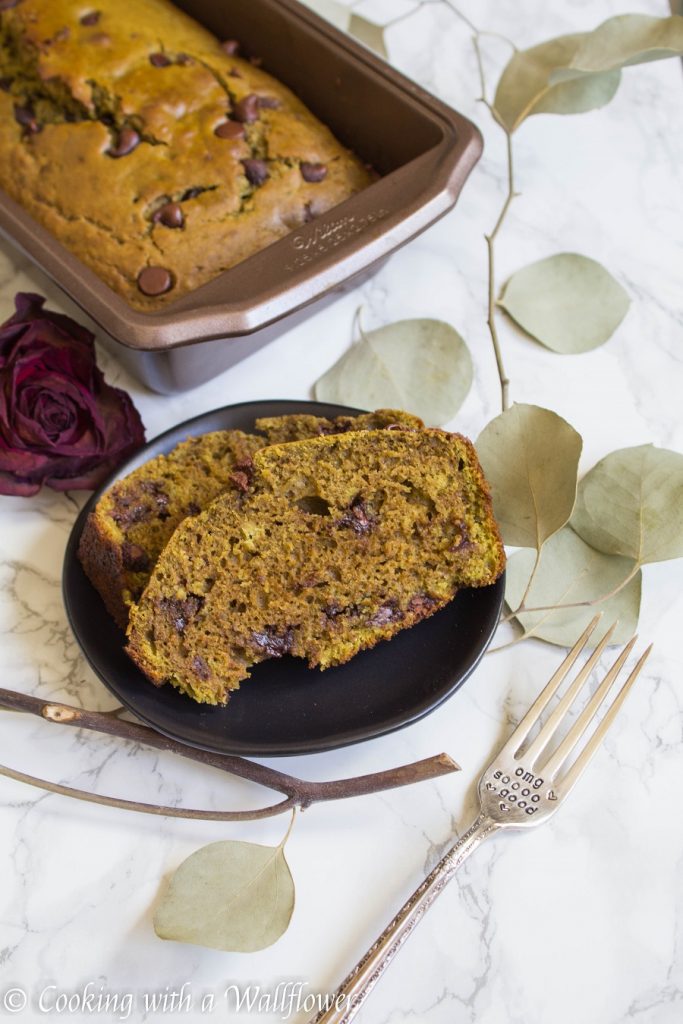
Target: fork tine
[
  {"x": 548, "y": 692},
  {"x": 546, "y": 733},
  {"x": 559, "y": 756},
  {"x": 584, "y": 758}
]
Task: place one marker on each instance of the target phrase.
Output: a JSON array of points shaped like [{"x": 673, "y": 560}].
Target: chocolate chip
[
  {"x": 134, "y": 557},
  {"x": 308, "y": 215},
  {"x": 27, "y": 119},
  {"x": 272, "y": 643},
  {"x": 199, "y": 667},
  {"x": 5, "y": 84},
  {"x": 181, "y": 612},
  {"x": 234, "y": 73},
  {"x": 269, "y": 102},
  {"x": 128, "y": 514},
  {"x": 229, "y": 130},
  {"x": 159, "y": 495},
  {"x": 170, "y": 215},
  {"x": 246, "y": 110},
  {"x": 159, "y": 60},
  {"x": 155, "y": 280},
  {"x": 193, "y": 509},
  {"x": 127, "y": 141},
  {"x": 358, "y": 517},
  {"x": 313, "y": 173},
  {"x": 422, "y": 605},
  {"x": 333, "y": 610},
  {"x": 386, "y": 613},
  {"x": 192, "y": 193},
  {"x": 256, "y": 171},
  {"x": 240, "y": 480},
  {"x": 91, "y": 19},
  {"x": 231, "y": 47},
  {"x": 243, "y": 474},
  {"x": 246, "y": 465},
  {"x": 184, "y": 59}
]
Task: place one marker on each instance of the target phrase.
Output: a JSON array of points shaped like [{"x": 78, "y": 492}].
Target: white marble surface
[{"x": 579, "y": 922}]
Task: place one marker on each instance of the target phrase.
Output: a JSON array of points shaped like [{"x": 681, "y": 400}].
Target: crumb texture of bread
[
  {"x": 343, "y": 541},
  {"x": 133, "y": 520},
  {"x": 154, "y": 153}
]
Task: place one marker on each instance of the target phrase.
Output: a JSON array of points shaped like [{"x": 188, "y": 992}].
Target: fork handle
[{"x": 345, "y": 1003}]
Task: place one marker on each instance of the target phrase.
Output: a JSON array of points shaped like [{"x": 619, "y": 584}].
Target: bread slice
[
  {"x": 342, "y": 541},
  {"x": 134, "y": 519}
]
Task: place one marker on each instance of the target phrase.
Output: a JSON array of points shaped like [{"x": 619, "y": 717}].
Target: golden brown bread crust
[{"x": 108, "y": 124}]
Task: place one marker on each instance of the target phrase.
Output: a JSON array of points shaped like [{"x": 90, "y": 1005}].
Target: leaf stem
[
  {"x": 298, "y": 792},
  {"x": 490, "y": 246},
  {"x": 523, "y": 610}
]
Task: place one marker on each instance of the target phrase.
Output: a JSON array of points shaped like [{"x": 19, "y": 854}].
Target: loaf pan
[{"x": 422, "y": 149}]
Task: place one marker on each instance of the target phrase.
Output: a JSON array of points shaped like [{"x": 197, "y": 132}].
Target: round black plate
[{"x": 285, "y": 707}]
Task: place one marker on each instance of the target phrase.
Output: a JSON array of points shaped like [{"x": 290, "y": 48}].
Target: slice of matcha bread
[
  {"x": 134, "y": 519},
  {"x": 342, "y": 542}
]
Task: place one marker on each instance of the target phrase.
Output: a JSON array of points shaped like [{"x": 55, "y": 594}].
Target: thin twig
[
  {"x": 134, "y": 805},
  {"x": 299, "y": 792}
]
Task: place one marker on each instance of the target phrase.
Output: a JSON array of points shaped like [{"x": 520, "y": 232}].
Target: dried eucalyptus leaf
[
  {"x": 568, "y": 302},
  {"x": 525, "y": 87},
  {"x": 631, "y": 504},
  {"x": 338, "y": 14},
  {"x": 530, "y": 457},
  {"x": 228, "y": 895},
  {"x": 368, "y": 33},
  {"x": 622, "y": 41},
  {"x": 570, "y": 571},
  {"x": 422, "y": 366}
]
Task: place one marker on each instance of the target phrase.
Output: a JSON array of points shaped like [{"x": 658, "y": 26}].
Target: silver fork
[{"x": 519, "y": 789}]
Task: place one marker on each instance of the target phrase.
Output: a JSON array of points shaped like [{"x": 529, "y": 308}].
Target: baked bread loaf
[
  {"x": 151, "y": 149},
  {"x": 342, "y": 542},
  {"x": 132, "y": 522}
]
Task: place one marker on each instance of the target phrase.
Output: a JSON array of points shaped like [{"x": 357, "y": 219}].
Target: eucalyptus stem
[
  {"x": 522, "y": 608},
  {"x": 491, "y": 308},
  {"x": 298, "y": 792},
  {"x": 491, "y": 238}
]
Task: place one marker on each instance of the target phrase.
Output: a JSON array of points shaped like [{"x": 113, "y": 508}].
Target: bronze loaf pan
[{"x": 423, "y": 150}]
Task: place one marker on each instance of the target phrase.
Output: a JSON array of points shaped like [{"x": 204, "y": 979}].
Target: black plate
[{"x": 287, "y": 708}]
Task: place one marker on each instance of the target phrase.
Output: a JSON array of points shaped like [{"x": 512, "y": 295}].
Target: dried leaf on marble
[
  {"x": 631, "y": 504},
  {"x": 525, "y": 87},
  {"x": 623, "y": 41},
  {"x": 570, "y": 571},
  {"x": 530, "y": 457},
  {"x": 422, "y": 366},
  {"x": 228, "y": 895},
  {"x": 568, "y": 302}
]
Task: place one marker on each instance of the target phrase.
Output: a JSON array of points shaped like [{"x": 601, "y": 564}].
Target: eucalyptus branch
[{"x": 298, "y": 792}]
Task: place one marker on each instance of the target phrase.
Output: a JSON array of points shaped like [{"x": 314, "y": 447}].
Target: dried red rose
[{"x": 60, "y": 423}]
